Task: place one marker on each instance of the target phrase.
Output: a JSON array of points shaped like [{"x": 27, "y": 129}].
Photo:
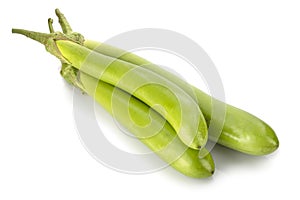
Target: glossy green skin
[
  {"x": 192, "y": 129},
  {"x": 164, "y": 141},
  {"x": 178, "y": 155},
  {"x": 241, "y": 130}
]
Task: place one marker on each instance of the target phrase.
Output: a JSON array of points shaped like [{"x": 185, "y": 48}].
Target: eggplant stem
[
  {"x": 50, "y": 25},
  {"x": 63, "y": 22},
  {"x": 37, "y": 36},
  {"x": 66, "y": 28},
  {"x": 47, "y": 39}
]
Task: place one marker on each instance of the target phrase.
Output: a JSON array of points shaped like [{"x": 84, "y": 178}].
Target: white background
[{"x": 255, "y": 46}]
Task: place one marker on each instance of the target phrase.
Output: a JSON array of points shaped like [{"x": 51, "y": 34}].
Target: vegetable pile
[{"x": 123, "y": 83}]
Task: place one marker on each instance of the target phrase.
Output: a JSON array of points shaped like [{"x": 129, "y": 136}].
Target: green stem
[
  {"x": 50, "y": 25},
  {"x": 49, "y": 40},
  {"x": 67, "y": 28},
  {"x": 37, "y": 36},
  {"x": 63, "y": 22}
]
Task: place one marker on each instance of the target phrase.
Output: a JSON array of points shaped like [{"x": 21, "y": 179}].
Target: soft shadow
[
  {"x": 176, "y": 176},
  {"x": 227, "y": 159}
]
